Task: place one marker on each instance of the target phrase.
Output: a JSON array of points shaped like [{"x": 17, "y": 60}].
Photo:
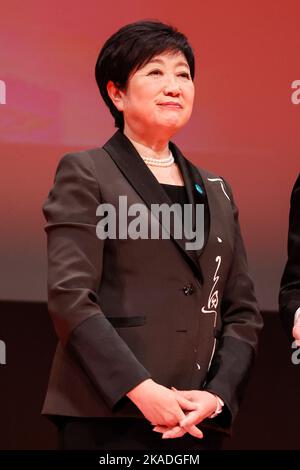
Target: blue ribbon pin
[{"x": 198, "y": 188}]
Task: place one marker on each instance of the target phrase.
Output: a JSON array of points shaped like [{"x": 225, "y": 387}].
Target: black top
[{"x": 178, "y": 194}]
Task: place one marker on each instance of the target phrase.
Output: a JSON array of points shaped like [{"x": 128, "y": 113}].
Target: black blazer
[
  {"x": 289, "y": 294},
  {"x": 125, "y": 310}
]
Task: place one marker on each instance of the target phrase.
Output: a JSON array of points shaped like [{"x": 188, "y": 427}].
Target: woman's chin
[{"x": 171, "y": 124}]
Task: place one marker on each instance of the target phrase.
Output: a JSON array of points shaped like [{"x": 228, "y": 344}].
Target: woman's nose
[{"x": 172, "y": 85}]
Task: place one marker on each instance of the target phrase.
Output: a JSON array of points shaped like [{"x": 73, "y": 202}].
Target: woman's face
[{"x": 159, "y": 96}]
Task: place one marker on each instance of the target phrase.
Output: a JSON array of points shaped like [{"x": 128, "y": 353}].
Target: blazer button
[{"x": 188, "y": 289}]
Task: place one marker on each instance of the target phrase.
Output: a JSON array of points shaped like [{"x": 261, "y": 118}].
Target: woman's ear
[{"x": 115, "y": 95}]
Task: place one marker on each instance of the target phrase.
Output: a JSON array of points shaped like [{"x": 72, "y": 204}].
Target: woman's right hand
[{"x": 160, "y": 406}]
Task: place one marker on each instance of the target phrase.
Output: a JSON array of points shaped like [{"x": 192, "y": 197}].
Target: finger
[
  {"x": 186, "y": 404},
  {"x": 177, "y": 431},
  {"x": 193, "y": 418},
  {"x": 184, "y": 393},
  {"x": 168, "y": 432},
  {"x": 194, "y": 431},
  {"x": 162, "y": 429}
]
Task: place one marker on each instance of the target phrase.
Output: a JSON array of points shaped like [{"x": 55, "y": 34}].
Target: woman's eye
[
  {"x": 185, "y": 74},
  {"x": 155, "y": 72},
  {"x": 159, "y": 72}
]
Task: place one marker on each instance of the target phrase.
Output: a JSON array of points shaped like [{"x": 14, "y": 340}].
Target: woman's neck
[{"x": 148, "y": 148}]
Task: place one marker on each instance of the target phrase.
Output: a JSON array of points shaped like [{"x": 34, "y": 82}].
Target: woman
[{"x": 156, "y": 334}]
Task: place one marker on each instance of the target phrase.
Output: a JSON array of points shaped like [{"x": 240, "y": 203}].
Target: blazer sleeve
[
  {"x": 75, "y": 256},
  {"x": 289, "y": 294},
  {"x": 241, "y": 323}
]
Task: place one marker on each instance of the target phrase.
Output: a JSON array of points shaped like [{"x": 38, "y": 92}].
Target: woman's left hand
[{"x": 206, "y": 405}]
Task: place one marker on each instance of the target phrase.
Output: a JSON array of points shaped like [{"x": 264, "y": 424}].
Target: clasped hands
[
  {"x": 173, "y": 412},
  {"x": 198, "y": 405}
]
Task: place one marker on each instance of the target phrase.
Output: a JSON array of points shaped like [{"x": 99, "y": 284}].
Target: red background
[{"x": 244, "y": 125}]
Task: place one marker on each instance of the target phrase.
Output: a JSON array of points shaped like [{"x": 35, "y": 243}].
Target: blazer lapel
[
  {"x": 196, "y": 189},
  {"x": 126, "y": 157}
]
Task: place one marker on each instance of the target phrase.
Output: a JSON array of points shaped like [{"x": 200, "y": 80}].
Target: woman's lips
[{"x": 170, "y": 105}]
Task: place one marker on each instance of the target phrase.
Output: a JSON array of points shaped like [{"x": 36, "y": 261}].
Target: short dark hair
[{"x": 132, "y": 47}]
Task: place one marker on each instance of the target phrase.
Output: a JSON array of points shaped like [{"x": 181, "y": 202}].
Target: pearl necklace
[{"x": 159, "y": 161}]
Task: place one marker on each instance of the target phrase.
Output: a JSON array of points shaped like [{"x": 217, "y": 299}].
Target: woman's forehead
[{"x": 176, "y": 56}]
